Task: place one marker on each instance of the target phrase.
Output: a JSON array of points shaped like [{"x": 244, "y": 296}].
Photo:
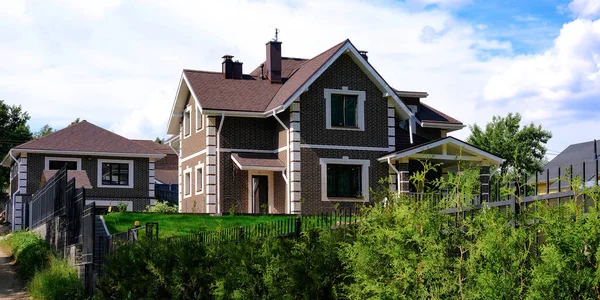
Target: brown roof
[
  {"x": 288, "y": 66},
  {"x": 166, "y": 176},
  {"x": 430, "y": 114},
  {"x": 86, "y": 137},
  {"x": 251, "y": 93},
  {"x": 81, "y": 178},
  {"x": 249, "y": 161},
  {"x": 160, "y": 148}
]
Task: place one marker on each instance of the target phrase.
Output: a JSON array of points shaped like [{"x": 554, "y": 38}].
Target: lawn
[{"x": 180, "y": 224}]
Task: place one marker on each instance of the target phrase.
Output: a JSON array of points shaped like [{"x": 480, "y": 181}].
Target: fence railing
[{"x": 51, "y": 199}]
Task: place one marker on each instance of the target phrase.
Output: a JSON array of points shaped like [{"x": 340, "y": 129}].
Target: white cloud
[{"x": 585, "y": 8}]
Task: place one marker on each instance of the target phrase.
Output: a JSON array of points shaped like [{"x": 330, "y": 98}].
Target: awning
[
  {"x": 81, "y": 178},
  {"x": 445, "y": 149},
  {"x": 257, "y": 161}
]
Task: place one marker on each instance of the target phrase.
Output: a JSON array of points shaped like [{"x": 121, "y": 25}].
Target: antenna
[{"x": 276, "y": 34}]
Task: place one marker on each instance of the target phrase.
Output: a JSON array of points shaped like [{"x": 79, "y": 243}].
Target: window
[
  {"x": 56, "y": 163},
  {"x": 187, "y": 126},
  {"x": 344, "y": 181},
  {"x": 114, "y": 173},
  {"x": 199, "y": 120},
  {"x": 344, "y": 110},
  {"x": 187, "y": 183},
  {"x": 199, "y": 178}
]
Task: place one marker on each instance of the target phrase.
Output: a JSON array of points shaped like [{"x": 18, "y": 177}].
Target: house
[
  {"x": 304, "y": 135},
  {"x": 165, "y": 171},
  {"x": 113, "y": 169},
  {"x": 577, "y": 160}
]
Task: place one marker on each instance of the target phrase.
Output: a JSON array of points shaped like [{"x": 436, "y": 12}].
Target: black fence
[
  {"x": 50, "y": 200},
  {"x": 167, "y": 192}
]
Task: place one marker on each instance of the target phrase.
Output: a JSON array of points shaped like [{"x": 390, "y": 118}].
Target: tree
[
  {"x": 159, "y": 140},
  {"x": 13, "y": 131},
  {"x": 44, "y": 131},
  {"x": 74, "y": 122},
  {"x": 523, "y": 148}
]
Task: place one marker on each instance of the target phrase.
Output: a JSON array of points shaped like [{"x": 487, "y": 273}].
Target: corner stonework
[
  {"x": 295, "y": 182},
  {"x": 211, "y": 165}
]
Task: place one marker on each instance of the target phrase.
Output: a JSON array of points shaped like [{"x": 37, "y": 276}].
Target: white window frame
[
  {"x": 199, "y": 119},
  {"x": 360, "y": 105},
  {"x": 186, "y": 182},
  {"x": 117, "y": 161},
  {"x": 48, "y": 159},
  {"x": 365, "y": 164},
  {"x": 199, "y": 166},
  {"x": 187, "y": 117}
]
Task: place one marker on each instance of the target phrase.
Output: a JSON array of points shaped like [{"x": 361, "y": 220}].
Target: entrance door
[{"x": 260, "y": 194}]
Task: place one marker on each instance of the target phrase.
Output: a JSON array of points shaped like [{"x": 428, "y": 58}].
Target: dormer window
[{"x": 345, "y": 109}]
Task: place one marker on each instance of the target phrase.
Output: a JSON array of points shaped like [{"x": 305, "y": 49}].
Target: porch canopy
[
  {"x": 448, "y": 150},
  {"x": 257, "y": 161}
]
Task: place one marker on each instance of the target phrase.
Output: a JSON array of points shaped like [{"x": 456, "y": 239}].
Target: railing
[{"x": 50, "y": 199}]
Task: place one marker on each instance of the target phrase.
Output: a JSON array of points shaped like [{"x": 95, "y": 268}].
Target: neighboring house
[
  {"x": 166, "y": 169},
  {"x": 112, "y": 168},
  {"x": 304, "y": 135},
  {"x": 582, "y": 158}
]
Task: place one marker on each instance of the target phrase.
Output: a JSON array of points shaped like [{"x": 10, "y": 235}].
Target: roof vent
[
  {"x": 363, "y": 53},
  {"x": 237, "y": 70}
]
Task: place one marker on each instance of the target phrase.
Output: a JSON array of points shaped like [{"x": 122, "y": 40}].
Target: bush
[
  {"x": 162, "y": 207},
  {"x": 31, "y": 253},
  {"x": 58, "y": 281},
  {"x": 121, "y": 207}
]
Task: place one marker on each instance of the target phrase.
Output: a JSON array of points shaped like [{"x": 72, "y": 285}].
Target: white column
[
  {"x": 179, "y": 171},
  {"x": 211, "y": 165},
  {"x": 295, "y": 159},
  {"x": 151, "y": 180},
  {"x": 391, "y": 126}
]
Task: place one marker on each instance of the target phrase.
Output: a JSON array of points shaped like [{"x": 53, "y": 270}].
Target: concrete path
[{"x": 11, "y": 287}]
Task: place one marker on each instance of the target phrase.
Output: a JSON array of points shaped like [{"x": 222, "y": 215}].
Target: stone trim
[
  {"x": 210, "y": 171},
  {"x": 294, "y": 160},
  {"x": 404, "y": 184},
  {"x": 391, "y": 114},
  {"x": 151, "y": 178}
]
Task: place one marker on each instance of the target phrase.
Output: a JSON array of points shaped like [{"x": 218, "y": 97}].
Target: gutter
[
  {"x": 287, "y": 167},
  {"x": 12, "y": 222},
  {"x": 219, "y": 163}
]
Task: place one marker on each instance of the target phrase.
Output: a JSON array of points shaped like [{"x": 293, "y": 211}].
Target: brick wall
[
  {"x": 194, "y": 203},
  {"x": 344, "y": 73},
  {"x": 197, "y": 140},
  {"x": 249, "y": 133},
  {"x": 36, "y": 164}
]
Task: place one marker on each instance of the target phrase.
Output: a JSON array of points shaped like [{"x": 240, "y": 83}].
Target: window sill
[
  {"x": 346, "y": 128},
  {"x": 345, "y": 199},
  {"x": 115, "y": 186},
  {"x": 187, "y": 196}
]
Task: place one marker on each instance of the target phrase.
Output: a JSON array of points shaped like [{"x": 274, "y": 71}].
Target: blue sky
[{"x": 117, "y": 63}]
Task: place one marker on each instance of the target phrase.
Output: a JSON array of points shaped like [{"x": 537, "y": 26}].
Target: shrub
[
  {"x": 121, "y": 207},
  {"x": 58, "y": 281},
  {"x": 162, "y": 207},
  {"x": 30, "y": 252}
]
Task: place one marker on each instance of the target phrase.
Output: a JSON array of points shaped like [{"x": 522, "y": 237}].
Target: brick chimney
[
  {"x": 237, "y": 70},
  {"x": 273, "y": 62},
  {"x": 227, "y": 66}
]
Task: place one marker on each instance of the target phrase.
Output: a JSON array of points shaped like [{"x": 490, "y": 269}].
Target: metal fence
[{"x": 50, "y": 200}]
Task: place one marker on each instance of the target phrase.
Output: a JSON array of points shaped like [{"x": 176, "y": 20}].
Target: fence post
[
  {"x": 298, "y": 228},
  {"x": 241, "y": 233}
]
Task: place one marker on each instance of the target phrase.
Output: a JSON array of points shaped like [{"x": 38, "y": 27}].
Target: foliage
[
  {"x": 13, "y": 131},
  {"x": 180, "y": 224},
  {"x": 249, "y": 269},
  {"x": 158, "y": 140},
  {"x": 74, "y": 122},
  {"x": 524, "y": 148},
  {"x": 58, "y": 281},
  {"x": 44, "y": 131},
  {"x": 30, "y": 252},
  {"x": 121, "y": 207},
  {"x": 162, "y": 207}
]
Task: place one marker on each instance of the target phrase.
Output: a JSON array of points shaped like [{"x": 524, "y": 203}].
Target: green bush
[
  {"x": 58, "y": 281},
  {"x": 30, "y": 252},
  {"x": 121, "y": 207},
  {"x": 162, "y": 207}
]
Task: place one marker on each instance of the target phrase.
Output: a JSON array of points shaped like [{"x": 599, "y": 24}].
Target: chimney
[
  {"x": 237, "y": 70},
  {"x": 363, "y": 53},
  {"x": 273, "y": 62},
  {"x": 227, "y": 66}
]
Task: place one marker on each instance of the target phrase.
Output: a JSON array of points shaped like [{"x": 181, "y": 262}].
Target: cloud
[
  {"x": 444, "y": 4},
  {"x": 585, "y": 8}
]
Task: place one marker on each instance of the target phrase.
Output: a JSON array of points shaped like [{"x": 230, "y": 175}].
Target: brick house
[
  {"x": 113, "y": 169},
  {"x": 304, "y": 135}
]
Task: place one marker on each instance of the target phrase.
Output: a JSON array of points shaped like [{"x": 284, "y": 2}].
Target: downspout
[
  {"x": 410, "y": 128},
  {"x": 389, "y": 161},
  {"x": 219, "y": 163},
  {"x": 287, "y": 167},
  {"x": 12, "y": 222}
]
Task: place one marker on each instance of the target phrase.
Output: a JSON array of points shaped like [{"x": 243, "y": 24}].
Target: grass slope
[{"x": 180, "y": 224}]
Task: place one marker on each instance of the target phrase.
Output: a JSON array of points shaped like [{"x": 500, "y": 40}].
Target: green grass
[
  {"x": 58, "y": 281},
  {"x": 181, "y": 224}
]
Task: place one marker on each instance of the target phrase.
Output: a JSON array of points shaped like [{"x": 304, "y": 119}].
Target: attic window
[
  {"x": 345, "y": 109},
  {"x": 187, "y": 126}
]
